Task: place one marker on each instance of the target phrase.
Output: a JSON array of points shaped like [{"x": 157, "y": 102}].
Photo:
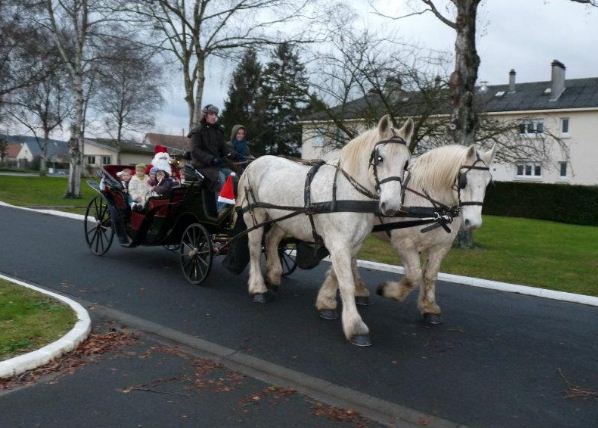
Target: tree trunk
[
  {"x": 464, "y": 119},
  {"x": 43, "y": 163},
  {"x": 76, "y": 142},
  {"x": 200, "y": 80}
]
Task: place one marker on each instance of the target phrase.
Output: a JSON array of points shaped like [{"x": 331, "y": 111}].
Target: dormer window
[{"x": 499, "y": 94}]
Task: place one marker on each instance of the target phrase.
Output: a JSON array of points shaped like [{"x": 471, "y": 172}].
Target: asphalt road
[{"x": 496, "y": 361}]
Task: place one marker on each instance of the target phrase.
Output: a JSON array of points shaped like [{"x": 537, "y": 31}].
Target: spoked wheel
[
  {"x": 98, "y": 226},
  {"x": 286, "y": 252},
  {"x": 196, "y": 253}
]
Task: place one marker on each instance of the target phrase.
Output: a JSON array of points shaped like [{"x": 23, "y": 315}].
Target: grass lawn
[
  {"x": 30, "y": 320},
  {"x": 43, "y": 191},
  {"x": 538, "y": 253}
]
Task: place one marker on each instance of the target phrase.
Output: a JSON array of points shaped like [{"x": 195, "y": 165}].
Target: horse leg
[
  {"x": 326, "y": 301},
  {"x": 273, "y": 266},
  {"x": 427, "y": 294},
  {"x": 356, "y": 331},
  {"x": 257, "y": 286},
  {"x": 412, "y": 278},
  {"x": 362, "y": 294}
]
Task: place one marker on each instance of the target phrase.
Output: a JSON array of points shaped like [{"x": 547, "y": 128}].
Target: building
[
  {"x": 98, "y": 152},
  {"x": 29, "y": 151},
  {"x": 176, "y": 145},
  {"x": 565, "y": 109}
]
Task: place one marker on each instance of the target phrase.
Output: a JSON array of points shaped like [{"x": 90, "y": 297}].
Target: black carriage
[{"x": 185, "y": 221}]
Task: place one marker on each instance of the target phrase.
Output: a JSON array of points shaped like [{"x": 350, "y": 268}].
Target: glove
[{"x": 216, "y": 162}]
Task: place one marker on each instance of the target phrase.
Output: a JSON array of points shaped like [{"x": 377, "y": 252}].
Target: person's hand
[{"x": 216, "y": 162}]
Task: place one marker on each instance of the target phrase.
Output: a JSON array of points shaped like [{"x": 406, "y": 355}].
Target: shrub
[{"x": 557, "y": 202}]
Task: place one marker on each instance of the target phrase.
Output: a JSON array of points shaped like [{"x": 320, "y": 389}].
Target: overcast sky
[{"x": 522, "y": 34}]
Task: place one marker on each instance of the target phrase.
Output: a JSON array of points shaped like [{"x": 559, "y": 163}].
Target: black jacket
[{"x": 207, "y": 144}]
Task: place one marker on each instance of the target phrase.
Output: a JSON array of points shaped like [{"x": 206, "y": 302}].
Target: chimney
[
  {"x": 558, "y": 80},
  {"x": 512, "y": 75}
]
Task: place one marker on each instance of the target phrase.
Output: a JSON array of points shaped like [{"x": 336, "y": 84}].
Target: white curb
[
  {"x": 66, "y": 343},
  {"x": 492, "y": 285},
  {"x": 447, "y": 277}
]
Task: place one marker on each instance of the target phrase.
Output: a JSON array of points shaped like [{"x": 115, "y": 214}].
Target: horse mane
[
  {"x": 359, "y": 148},
  {"x": 438, "y": 168}
]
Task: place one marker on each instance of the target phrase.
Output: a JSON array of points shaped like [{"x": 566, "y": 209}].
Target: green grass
[
  {"x": 538, "y": 253},
  {"x": 30, "y": 320},
  {"x": 43, "y": 191}
]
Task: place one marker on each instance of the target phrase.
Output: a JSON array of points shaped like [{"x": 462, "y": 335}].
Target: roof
[
  {"x": 125, "y": 146},
  {"x": 12, "y": 150},
  {"x": 56, "y": 148},
  {"x": 579, "y": 93},
  {"x": 174, "y": 143}
]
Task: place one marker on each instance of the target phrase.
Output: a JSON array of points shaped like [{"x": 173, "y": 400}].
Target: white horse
[
  {"x": 375, "y": 160},
  {"x": 455, "y": 176}
]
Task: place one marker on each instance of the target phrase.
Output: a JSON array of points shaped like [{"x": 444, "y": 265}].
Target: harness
[
  {"x": 425, "y": 215},
  {"x": 442, "y": 213}
]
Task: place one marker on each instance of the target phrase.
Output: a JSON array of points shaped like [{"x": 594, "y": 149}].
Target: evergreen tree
[
  {"x": 283, "y": 98},
  {"x": 242, "y": 103}
]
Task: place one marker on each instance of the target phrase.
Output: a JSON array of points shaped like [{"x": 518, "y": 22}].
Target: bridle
[
  {"x": 376, "y": 159},
  {"x": 461, "y": 181}
]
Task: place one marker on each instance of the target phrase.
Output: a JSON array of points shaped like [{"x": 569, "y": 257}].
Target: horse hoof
[
  {"x": 362, "y": 300},
  {"x": 361, "y": 340},
  {"x": 273, "y": 288},
  {"x": 432, "y": 319},
  {"x": 261, "y": 297},
  {"x": 380, "y": 289},
  {"x": 328, "y": 314}
]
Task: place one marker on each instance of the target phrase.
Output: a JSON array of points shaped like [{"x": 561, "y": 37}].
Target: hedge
[{"x": 557, "y": 202}]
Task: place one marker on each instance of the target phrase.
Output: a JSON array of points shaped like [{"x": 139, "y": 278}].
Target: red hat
[
  {"x": 227, "y": 194},
  {"x": 160, "y": 149}
]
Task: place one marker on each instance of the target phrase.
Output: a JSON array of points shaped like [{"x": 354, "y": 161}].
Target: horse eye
[{"x": 379, "y": 159}]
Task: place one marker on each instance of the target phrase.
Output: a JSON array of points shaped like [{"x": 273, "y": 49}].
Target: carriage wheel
[
  {"x": 196, "y": 253},
  {"x": 98, "y": 226},
  {"x": 288, "y": 260}
]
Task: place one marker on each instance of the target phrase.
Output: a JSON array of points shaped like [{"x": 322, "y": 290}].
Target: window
[
  {"x": 564, "y": 125},
  {"x": 91, "y": 160},
  {"x": 563, "y": 169},
  {"x": 529, "y": 169},
  {"x": 106, "y": 160},
  {"x": 531, "y": 127}
]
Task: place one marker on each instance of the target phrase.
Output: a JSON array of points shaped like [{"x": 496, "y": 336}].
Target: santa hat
[
  {"x": 160, "y": 149},
  {"x": 227, "y": 193}
]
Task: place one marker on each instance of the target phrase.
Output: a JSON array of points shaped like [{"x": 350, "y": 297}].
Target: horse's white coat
[
  {"x": 435, "y": 172},
  {"x": 281, "y": 182}
]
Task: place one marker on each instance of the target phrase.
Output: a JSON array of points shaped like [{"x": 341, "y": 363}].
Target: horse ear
[
  {"x": 471, "y": 151},
  {"x": 407, "y": 129},
  {"x": 384, "y": 125},
  {"x": 488, "y": 156}
]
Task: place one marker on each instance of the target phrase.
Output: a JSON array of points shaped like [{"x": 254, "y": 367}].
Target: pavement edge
[{"x": 66, "y": 343}]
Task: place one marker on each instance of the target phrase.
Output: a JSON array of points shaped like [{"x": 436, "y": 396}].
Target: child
[
  {"x": 164, "y": 183},
  {"x": 138, "y": 187},
  {"x": 152, "y": 177},
  {"x": 125, "y": 178}
]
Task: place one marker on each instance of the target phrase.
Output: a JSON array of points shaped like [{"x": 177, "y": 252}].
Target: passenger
[
  {"x": 238, "y": 139},
  {"x": 208, "y": 148},
  {"x": 125, "y": 178},
  {"x": 152, "y": 177},
  {"x": 164, "y": 184},
  {"x": 139, "y": 188}
]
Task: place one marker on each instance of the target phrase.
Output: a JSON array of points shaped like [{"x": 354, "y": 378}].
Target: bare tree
[
  {"x": 22, "y": 48},
  {"x": 198, "y": 30},
  {"x": 75, "y": 27},
  {"x": 128, "y": 88},
  {"x": 42, "y": 107}
]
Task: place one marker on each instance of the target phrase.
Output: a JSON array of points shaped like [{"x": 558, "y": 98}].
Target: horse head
[
  {"x": 472, "y": 180},
  {"x": 388, "y": 162}
]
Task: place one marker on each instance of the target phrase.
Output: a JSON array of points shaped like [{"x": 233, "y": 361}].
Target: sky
[{"x": 525, "y": 35}]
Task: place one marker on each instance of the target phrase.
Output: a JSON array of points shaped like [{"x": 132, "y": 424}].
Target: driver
[{"x": 208, "y": 148}]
